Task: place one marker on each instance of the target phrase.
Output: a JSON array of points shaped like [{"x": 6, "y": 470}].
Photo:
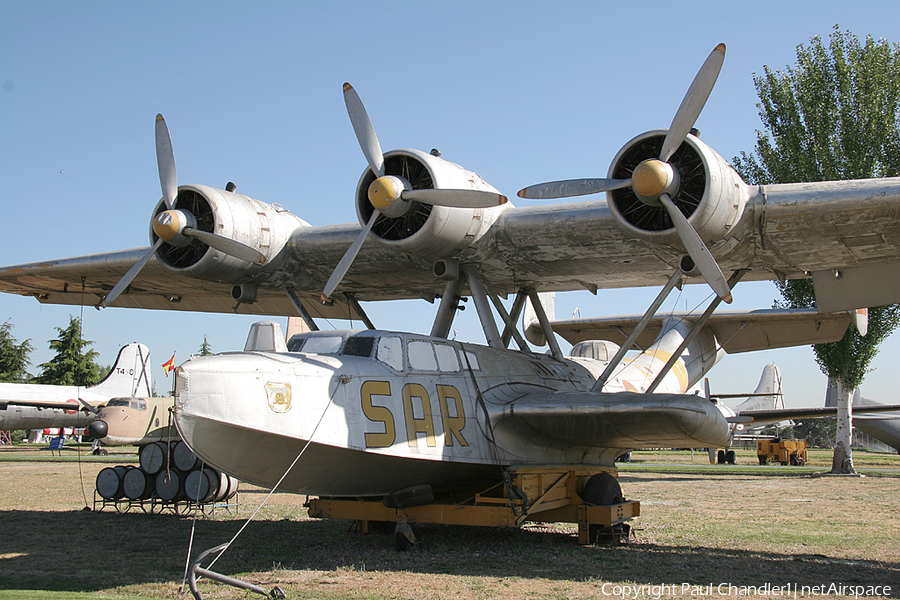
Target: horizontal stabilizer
[{"x": 784, "y": 414}]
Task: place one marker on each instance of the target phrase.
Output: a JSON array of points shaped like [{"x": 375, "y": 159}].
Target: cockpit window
[
  {"x": 118, "y": 402},
  {"x": 322, "y": 345},
  {"x": 359, "y": 345},
  {"x": 390, "y": 351},
  {"x": 133, "y": 403}
]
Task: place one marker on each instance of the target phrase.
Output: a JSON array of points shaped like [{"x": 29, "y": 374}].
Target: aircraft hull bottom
[{"x": 261, "y": 458}]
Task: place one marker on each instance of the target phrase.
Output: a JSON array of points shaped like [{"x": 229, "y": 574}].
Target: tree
[
  {"x": 835, "y": 115},
  {"x": 72, "y": 365},
  {"x": 205, "y": 348},
  {"x": 13, "y": 356}
]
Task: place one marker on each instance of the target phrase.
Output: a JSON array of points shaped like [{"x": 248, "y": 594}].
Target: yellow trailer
[
  {"x": 542, "y": 494},
  {"x": 786, "y": 452}
]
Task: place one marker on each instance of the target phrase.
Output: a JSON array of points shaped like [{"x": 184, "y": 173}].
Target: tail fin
[
  {"x": 534, "y": 334},
  {"x": 130, "y": 375},
  {"x": 768, "y": 392}
]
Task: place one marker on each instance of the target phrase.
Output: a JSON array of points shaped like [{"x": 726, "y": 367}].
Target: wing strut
[
  {"x": 491, "y": 333},
  {"x": 304, "y": 314},
  {"x": 638, "y": 329},
  {"x": 545, "y": 323},
  {"x": 735, "y": 277},
  {"x": 443, "y": 320}
]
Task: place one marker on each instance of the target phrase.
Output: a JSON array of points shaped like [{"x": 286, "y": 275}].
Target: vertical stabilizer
[
  {"x": 535, "y": 335},
  {"x": 770, "y": 388},
  {"x": 130, "y": 375}
]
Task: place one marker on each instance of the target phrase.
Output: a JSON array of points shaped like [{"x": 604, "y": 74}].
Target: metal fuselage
[
  {"x": 135, "y": 421},
  {"x": 374, "y": 412}
]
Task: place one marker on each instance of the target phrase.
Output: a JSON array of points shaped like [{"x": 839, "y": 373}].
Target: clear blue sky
[{"x": 520, "y": 92}]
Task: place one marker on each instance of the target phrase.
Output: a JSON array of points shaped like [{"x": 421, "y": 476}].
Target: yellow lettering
[
  {"x": 453, "y": 426},
  {"x": 414, "y": 425},
  {"x": 378, "y": 414}
]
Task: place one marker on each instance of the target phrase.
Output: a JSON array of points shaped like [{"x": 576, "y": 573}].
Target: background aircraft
[
  {"x": 883, "y": 427},
  {"x": 37, "y": 406}
]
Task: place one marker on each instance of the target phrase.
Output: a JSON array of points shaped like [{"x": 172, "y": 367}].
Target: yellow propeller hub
[
  {"x": 167, "y": 224},
  {"x": 384, "y": 191},
  {"x": 651, "y": 178}
]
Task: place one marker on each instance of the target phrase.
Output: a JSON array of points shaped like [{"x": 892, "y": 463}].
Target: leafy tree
[
  {"x": 72, "y": 365},
  {"x": 205, "y": 348},
  {"x": 833, "y": 116},
  {"x": 13, "y": 356}
]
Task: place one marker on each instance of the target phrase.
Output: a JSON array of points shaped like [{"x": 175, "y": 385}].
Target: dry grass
[{"x": 714, "y": 526}]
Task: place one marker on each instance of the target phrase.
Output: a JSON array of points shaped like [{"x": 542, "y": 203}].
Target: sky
[{"x": 520, "y": 92}]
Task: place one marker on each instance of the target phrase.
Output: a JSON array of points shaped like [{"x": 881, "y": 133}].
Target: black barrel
[
  {"x": 170, "y": 485},
  {"x": 184, "y": 457},
  {"x": 109, "y": 482},
  {"x": 201, "y": 485},
  {"x": 154, "y": 456},
  {"x": 137, "y": 484}
]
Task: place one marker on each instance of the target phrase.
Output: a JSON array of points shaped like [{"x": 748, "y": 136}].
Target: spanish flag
[{"x": 169, "y": 364}]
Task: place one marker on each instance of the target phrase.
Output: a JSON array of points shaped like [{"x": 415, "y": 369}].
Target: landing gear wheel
[
  {"x": 731, "y": 457},
  {"x": 602, "y": 490},
  {"x": 720, "y": 457}
]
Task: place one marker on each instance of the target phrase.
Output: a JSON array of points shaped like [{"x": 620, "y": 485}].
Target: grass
[{"x": 700, "y": 524}]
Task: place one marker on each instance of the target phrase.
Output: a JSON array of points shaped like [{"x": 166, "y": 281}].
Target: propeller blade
[
  {"x": 698, "y": 251},
  {"x": 165, "y": 160},
  {"x": 226, "y": 245},
  {"x": 572, "y": 187},
  {"x": 342, "y": 267},
  {"x": 365, "y": 132},
  {"x": 693, "y": 102},
  {"x": 456, "y": 198},
  {"x": 88, "y": 407},
  {"x": 130, "y": 275}
]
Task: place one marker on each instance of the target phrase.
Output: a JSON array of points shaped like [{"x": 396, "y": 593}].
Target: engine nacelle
[
  {"x": 259, "y": 225},
  {"x": 427, "y": 231},
  {"x": 711, "y": 194}
]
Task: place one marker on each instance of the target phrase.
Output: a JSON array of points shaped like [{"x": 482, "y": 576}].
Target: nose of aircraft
[{"x": 98, "y": 429}]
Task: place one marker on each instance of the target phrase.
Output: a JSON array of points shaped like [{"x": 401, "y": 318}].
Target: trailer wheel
[{"x": 602, "y": 490}]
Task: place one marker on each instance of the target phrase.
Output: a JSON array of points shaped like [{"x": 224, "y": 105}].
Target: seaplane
[{"x": 413, "y": 418}]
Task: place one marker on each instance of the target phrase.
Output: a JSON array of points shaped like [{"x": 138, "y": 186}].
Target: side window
[
  {"x": 390, "y": 352},
  {"x": 421, "y": 356},
  {"x": 359, "y": 345},
  {"x": 471, "y": 361},
  {"x": 446, "y": 357}
]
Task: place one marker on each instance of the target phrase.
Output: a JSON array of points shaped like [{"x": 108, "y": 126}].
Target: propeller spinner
[
  {"x": 176, "y": 226},
  {"x": 391, "y": 196},
  {"x": 655, "y": 180}
]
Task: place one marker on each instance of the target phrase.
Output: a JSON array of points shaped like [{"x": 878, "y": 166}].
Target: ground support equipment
[{"x": 538, "y": 494}]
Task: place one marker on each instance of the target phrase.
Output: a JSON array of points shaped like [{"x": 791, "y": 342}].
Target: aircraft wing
[
  {"x": 784, "y": 414},
  {"x": 4, "y": 402},
  {"x": 736, "y": 331},
  {"x": 60, "y": 282}
]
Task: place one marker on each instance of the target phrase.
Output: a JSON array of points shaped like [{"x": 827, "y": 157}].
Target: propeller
[
  {"x": 390, "y": 195},
  {"x": 174, "y": 225},
  {"x": 655, "y": 180}
]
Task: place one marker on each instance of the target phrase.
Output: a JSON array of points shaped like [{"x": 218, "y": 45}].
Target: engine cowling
[
  {"x": 259, "y": 225},
  {"x": 428, "y": 231},
  {"x": 711, "y": 194}
]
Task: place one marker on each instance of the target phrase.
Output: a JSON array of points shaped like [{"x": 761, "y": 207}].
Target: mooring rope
[{"x": 340, "y": 381}]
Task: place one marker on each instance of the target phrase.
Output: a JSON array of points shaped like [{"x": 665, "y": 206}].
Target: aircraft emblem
[{"x": 279, "y": 396}]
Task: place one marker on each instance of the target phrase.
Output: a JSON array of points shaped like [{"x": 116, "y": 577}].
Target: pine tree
[
  {"x": 72, "y": 365},
  {"x": 13, "y": 356},
  {"x": 833, "y": 116},
  {"x": 205, "y": 348}
]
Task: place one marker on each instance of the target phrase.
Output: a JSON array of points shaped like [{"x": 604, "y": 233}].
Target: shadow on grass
[{"x": 90, "y": 551}]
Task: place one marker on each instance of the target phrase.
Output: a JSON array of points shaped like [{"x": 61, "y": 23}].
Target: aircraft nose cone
[{"x": 98, "y": 430}]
